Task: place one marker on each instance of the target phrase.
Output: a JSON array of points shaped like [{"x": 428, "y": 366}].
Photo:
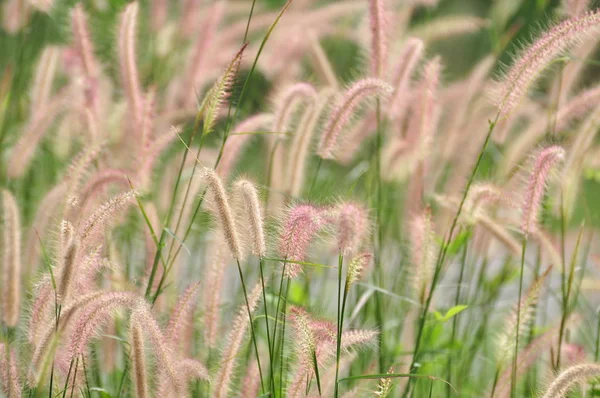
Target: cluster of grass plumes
[{"x": 218, "y": 199}]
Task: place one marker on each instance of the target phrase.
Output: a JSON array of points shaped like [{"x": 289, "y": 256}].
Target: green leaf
[
  {"x": 458, "y": 243},
  {"x": 451, "y": 313},
  {"x": 101, "y": 392}
]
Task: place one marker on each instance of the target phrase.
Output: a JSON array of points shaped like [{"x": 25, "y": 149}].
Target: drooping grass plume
[
  {"x": 181, "y": 313},
  {"x": 249, "y": 216},
  {"x": 11, "y": 259},
  {"x": 344, "y": 109},
  {"x": 224, "y": 213},
  {"x": 99, "y": 219},
  {"x": 533, "y": 59},
  {"x": 570, "y": 377},
  {"x": 233, "y": 344},
  {"x": 543, "y": 164}
]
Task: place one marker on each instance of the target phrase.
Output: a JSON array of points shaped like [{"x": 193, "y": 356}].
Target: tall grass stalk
[
  {"x": 444, "y": 250},
  {"x": 513, "y": 377}
]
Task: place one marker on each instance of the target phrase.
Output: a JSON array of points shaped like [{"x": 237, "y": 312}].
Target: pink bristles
[
  {"x": 352, "y": 227},
  {"x": 379, "y": 37},
  {"x": 127, "y": 60},
  {"x": 83, "y": 44},
  {"x": 344, "y": 109},
  {"x": 9, "y": 378},
  {"x": 513, "y": 87},
  {"x": 544, "y": 162},
  {"x": 302, "y": 224}
]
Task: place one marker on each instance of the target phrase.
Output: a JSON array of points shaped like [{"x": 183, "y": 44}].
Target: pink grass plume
[
  {"x": 11, "y": 259},
  {"x": 345, "y": 108},
  {"x": 543, "y": 164},
  {"x": 379, "y": 39}
]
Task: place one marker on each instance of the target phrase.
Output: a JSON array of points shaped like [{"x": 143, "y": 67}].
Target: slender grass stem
[
  {"x": 284, "y": 316},
  {"x": 339, "y": 323},
  {"x": 262, "y": 281},
  {"x": 444, "y": 250},
  {"x": 251, "y": 326},
  {"x": 513, "y": 377},
  {"x": 455, "y": 319}
]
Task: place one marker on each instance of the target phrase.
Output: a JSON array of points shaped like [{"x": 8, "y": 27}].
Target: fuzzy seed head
[
  {"x": 302, "y": 224},
  {"x": 249, "y": 215},
  {"x": 352, "y": 227},
  {"x": 344, "y": 109},
  {"x": 543, "y": 164},
  {"x": 357, "y": 267},
  {"x": 224, "y": 213},
  {"x": 513, "y": 87},
  {"x": 11, "y": 259}
]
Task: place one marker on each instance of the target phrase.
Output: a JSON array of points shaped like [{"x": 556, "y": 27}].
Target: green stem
[
  {"x": 251, "y": 324},
  {"x": 444, "y": 251},
  {"x": 262, "y": 281},
  {"x": 513, "y": 376},
  {"x": 339, "y": 323}
]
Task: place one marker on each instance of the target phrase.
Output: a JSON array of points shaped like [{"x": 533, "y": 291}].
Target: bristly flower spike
[
  {"x": 224, "y": 213},
  {"x": 302, "y": 224},
  {"x": 570, "y": 377},
  {"x": 357, "y": 267},
  {"x": 342, "y": 112},
  {"x": 543, "y": 164},
  {"x": 9, "y": 378},
  {"x": 352, "y": 227},
  {"x": 138, "y": 359},
  {"x": 379, "y": 38},
  {"x": 214, "y": 99},
  {"x": 250, "y": 215},
  {"x": 538, "y": 56},
  {"x": 127, "y": 60},
  {"x": 11, "y": 259}
]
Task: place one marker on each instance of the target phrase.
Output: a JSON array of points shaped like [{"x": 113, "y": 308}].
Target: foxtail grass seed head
[
  {"x": 250, "y": 215},
  {"x": 543, "y": 163},
  {"x": 127, "y": 60},
  {"x": 224, "y": 213},
  {"x": 357, "y": 267},
  {"x": 11, "y": 259},
  {"x": 9, "y": 377},
  {"x": 423, "y": 252},
  {"x": 534, "y": 58},
  {"x": 138, "y": 353},
  {"x": 379, "y": 39},
  {"x": 220, "y": 91},
  {"x": 352, "y": 227},
  {"x": 411, "y": 54},
  {"x": 302, "y": 224},
  {"x": 570, "y": 377},
  {"x": 106, "y": 213},
  {"x": 344, "y": 109}
]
